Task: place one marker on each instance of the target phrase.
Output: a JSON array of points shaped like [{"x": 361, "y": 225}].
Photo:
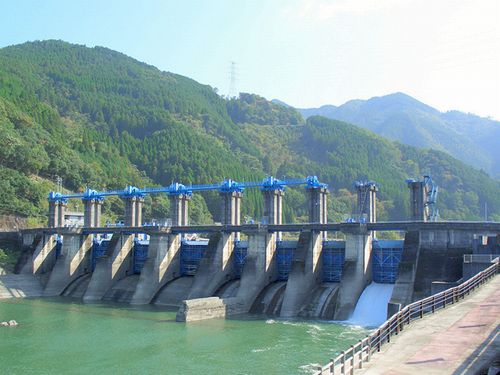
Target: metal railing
[{"x": 356, "y": 355}]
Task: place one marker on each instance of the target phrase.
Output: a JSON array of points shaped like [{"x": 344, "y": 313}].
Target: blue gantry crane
[{"x": 228, "y": 185}]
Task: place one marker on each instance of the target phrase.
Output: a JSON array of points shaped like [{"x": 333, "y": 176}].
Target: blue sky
[{"x": 305, "y": 52}]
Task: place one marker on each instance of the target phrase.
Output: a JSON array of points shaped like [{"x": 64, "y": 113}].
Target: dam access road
[{"x": 461, "y": 339}]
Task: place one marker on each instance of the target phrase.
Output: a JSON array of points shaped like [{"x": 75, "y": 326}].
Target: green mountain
[
  {"x": 99, "y": 118},
  {"x": 469, "y": 138}
]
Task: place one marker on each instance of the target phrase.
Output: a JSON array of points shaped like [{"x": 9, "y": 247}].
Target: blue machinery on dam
[{"x": 242, "y": 268}]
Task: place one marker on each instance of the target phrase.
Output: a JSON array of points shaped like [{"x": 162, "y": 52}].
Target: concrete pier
[
  {"x": 305, "y": 273},
  {"x": 73, "y": 262},
  {"x": 44, "y": 256},
  {"x": 161, "y": 266},
  {"x": 357, "y": 273},
  {"x": 231, "y": 209},
  {"x": 114, "y": 266},
  {"x": 259, "y": 270},
  {"x": 215, "y": 268}
]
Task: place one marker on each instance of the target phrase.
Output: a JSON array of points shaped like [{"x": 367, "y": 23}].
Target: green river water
[{"x": 61, "y": 337}]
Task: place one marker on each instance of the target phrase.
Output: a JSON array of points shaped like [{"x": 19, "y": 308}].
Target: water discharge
[
  {"x": 371, "y": 309},
  {"x": 60, "y": 337}
]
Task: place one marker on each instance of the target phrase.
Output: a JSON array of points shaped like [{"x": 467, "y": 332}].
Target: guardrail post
[
  {"x": 369, "y": 349},
  {"x": 342, "y": 364},
  {"x": 433, "y": 304},
  {"x": 421, "y": 309},
  {"x": 378, "y": 341},
  {"x": 351, "y": 369},
  {"x": 361, "y": 354},
  {"x": 332, "y": 366},
  {"x": 320, "y": 370}
]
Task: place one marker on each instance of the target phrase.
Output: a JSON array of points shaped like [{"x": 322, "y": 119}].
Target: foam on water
[{"x": 371, "y": 309}]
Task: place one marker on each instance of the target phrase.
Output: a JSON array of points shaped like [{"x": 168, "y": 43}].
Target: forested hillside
[
  {"x": 467, "y": 137},
  {"x": 99, "y": 118}
]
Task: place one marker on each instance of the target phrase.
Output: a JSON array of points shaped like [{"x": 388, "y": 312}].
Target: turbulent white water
[{"x": 371, "y": 309}]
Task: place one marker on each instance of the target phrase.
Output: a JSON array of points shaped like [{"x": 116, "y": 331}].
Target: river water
[{"x": 60, "y": 337}]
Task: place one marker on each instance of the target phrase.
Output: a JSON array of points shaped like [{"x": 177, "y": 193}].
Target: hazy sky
[{"x": 445, "y": 53}]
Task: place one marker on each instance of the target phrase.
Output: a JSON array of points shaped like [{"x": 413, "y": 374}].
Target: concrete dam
[{"x": 251, "y": 268}]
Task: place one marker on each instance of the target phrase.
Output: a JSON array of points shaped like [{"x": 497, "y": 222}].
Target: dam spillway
[{"x": 250, "y": 275}]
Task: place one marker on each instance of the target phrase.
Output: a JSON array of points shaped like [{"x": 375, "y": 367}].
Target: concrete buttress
[
  {"x": 73, "y": 262},
  {"x": 215, "y": 268},
  {"x": 44, "y": 256},
  {"x": 161, "y": 266},
  {"x": 305, "y": 273},
  {"x": 111, "y": 268},
  {"x": 357, "y": 273}
]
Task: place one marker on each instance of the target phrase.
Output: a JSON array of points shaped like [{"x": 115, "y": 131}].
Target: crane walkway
[{"x": 461, "y": 339}]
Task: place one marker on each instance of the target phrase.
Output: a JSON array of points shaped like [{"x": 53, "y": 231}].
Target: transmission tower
[{"x": 232, "y": 80}]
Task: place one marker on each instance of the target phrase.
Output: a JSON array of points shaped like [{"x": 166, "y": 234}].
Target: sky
[{"x": 306, "y": 53}]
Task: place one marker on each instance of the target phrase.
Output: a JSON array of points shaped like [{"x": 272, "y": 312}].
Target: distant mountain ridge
[{"x": 470, "y": 138}]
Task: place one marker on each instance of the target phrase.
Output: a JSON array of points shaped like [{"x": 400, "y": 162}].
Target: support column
[
  {"x": 138, "y": 211},
  {"x": 97, "y": 213},
  {"x": 130, "y": 211},
  {"x": 231, "y": 209},
  {"x": 318, "y": 205},
  {"x": 89, "y": 213},
  {"x": 318, "y": 211},
  {"x": 53, "y": 214},
  {"x": 179, "y": 209},
  {"x": 62, "y": 213},
  {"x": 273, "y": 207},
  {"x": 367, "y": 201},
  {"x": 417, "y": 203}
]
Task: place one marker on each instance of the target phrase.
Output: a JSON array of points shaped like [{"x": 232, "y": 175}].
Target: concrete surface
[
  {"x": 73, "y": 262},
  {"x": 20, "y": 286},
  {"x": 461, "y": 339},
  {"x": 116, "y": 265}
]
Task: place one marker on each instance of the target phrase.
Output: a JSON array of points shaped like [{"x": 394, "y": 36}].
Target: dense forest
[{"x": 98, "y": 118}]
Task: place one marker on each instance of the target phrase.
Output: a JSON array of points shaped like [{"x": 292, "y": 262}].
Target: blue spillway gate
[
  {"x": 191, "y": 254},
  {"x": 386, "y": 256},
  {"x": 140, "y": 254},
  {"x": 333, "y": 257},
  {"x": 284, "y": 257},
  {"x": 240, "y": 254},
  {"x": 99, "y": 248}
]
